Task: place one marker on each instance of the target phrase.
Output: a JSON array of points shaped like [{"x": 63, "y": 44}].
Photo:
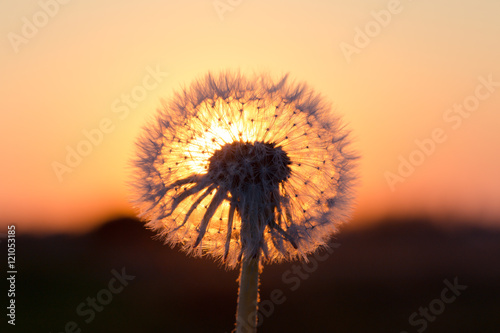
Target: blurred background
[{"x": 418, "y": 82}]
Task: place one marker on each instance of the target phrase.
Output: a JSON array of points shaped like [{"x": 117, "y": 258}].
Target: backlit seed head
[{"x": 237, "y": 166}]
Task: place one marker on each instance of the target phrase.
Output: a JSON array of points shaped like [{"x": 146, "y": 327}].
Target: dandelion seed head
[{"x": 235, "y": 166}]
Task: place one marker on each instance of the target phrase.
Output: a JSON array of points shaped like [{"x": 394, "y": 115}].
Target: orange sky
[{"x": 397, "y": 71}]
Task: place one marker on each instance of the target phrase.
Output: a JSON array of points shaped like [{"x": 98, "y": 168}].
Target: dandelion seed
[{"x": 245, "y": 169}]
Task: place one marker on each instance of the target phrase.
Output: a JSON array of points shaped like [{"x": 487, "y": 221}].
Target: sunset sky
[{"x": 417, "y": 82}]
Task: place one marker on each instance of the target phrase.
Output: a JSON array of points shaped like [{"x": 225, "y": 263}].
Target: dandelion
[{"x": 246, "y": 170}]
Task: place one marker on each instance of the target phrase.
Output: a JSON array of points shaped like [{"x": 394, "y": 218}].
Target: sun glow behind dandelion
[{"x": 195, "y": 193}]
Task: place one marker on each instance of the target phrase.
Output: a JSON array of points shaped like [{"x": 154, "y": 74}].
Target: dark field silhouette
[{"x": 118, "y": 279}]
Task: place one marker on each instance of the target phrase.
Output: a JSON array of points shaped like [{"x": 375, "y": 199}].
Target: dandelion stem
[{"x": 248, "y": 296}]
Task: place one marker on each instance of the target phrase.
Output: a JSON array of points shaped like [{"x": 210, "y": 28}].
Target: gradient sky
[{"x": 398, "y": 82}]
